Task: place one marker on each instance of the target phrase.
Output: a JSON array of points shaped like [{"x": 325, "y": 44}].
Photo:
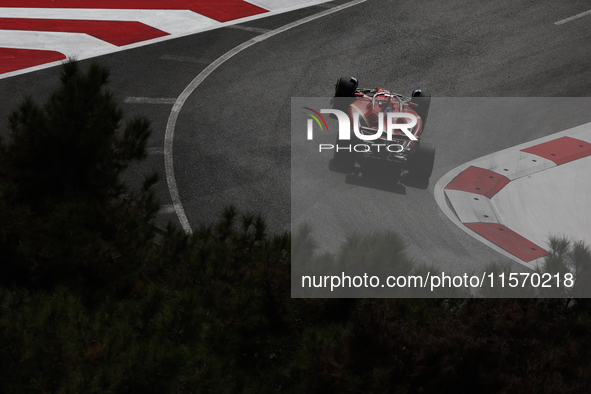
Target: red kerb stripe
[
  {"x": 561, "y": 150},
  {"x": 509, "y": 240},
  {"x": 479, "y": 181},
  {"x": 17, "y": 59}
]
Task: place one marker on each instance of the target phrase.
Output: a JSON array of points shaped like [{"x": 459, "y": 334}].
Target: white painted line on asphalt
[
  {"x": 149, "y": 100},
  {"x": 287, "y": 5},
  {"x": 326, "y": 5},
  {"x": 246, "y": 28},
  {"x": 167, "y": 208},
  {"x": 180, "y": 101},
  {"x": 572, "y": 18}
]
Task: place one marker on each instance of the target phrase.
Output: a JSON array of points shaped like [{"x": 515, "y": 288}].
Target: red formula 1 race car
[{"x": 379, "y": 137}]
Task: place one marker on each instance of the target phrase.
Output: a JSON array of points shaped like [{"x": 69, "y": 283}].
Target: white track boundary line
[
  {"x": 180, "y": 101},
  {"x": 572, "y": 18}
]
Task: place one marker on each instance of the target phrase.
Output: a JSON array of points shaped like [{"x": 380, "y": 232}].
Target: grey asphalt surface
[{"x": 232, "y": 139}]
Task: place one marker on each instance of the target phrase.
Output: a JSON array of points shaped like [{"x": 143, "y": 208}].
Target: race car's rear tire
[
  {"x": 346, "y": 87},
  {"x": 424, "y": 103},
  {"x": 423, "y": 161}
]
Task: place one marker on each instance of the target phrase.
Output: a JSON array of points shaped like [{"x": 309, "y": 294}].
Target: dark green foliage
[
  {"x": 568, "y": 259},
  {"x": 211, "y": 312},
  {"x": 67, "y": 216},
  {"x": 89, "y": 303},
  {"x": 73, "y": 146}
]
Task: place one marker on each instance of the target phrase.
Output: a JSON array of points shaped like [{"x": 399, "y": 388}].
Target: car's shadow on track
[
  {"x": 380, "y": 180},
  {"x": 414, "y": 182},
  {"x": 385, "y": 182}
]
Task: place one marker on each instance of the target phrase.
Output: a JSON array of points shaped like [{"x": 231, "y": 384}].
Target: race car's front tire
[
  {"x": 344, "y": 94},
  {"x": 346, "y": 87},
  {"x": 423, "y": 100},
  {"x": 423, "y": 161}
]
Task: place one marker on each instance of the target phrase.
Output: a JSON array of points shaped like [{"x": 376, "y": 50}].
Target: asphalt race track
[{"x": 232, "y": 136}]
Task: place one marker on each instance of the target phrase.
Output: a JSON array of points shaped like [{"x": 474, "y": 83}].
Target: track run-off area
[{"x": 219, "y": 100}]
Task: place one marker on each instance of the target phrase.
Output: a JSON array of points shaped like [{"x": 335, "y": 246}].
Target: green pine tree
[{"x": 67, "y": 216}]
